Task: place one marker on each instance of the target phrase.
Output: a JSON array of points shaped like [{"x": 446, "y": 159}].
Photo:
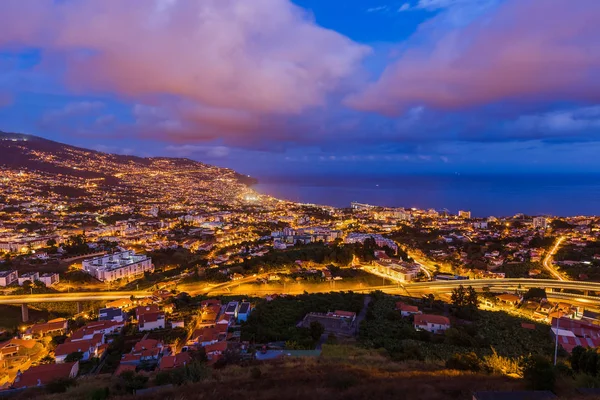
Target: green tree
[
  {"x": 459, "y": 296},
  {"x": 316, "y": 330},
  {"x": 75, "y": 356},
  {"x": 539, "y": 373},
  {"x": 535, "y": 293}
]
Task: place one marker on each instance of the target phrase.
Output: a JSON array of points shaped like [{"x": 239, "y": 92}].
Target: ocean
[{"x": 483, "y": 195}]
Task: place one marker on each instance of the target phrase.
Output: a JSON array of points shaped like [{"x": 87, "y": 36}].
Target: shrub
[
  {"x": 539, "y": 373},
  {"x": 464, "y": 362},
  {"x": 255, "y": 373},
  {"x": 60, "y": 385}
]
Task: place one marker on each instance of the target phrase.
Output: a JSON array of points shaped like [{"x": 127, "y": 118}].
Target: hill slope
[{"x": 45, "y": 168}]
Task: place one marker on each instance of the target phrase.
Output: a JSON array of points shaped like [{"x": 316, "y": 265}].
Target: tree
[
  {"x": 535, "y": 293},
  {"x": 459, "y": 296},
  {"x": 75, "y": 356},
  {"x": 576, "y": 357},
  {"x": 316, "y": 330},
  {"x": 539, "y": 373},
  {"x": 472, "y": 298}
]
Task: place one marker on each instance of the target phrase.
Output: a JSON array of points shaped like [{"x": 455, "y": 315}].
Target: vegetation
[{"x": 276, "y": 320}]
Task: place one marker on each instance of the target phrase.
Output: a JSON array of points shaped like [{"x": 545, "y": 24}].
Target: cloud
[
  {"x": 504, "y": 55},
  {"x": 377, "y": 9},
  {"x": 195, "y": 150},
  {"x": 561, "y": 121},
  {"x": 239, "y": 59},
  {"x": 73, "y": 109}
]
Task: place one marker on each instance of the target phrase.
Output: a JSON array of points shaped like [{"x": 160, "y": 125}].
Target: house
[
  {"x": 431, "y": 323},
  {"x": 150, "y": 321},
  {"x": 44, "y": 373},
  {"x": 516, "y": 395},
  {"x": 11, "y": 347},
  {"x": 149, "y": 309},
  {"x": 349, "y": 315},
  {"x": 147, "y": 350},
  {"x": 177, "y": 324},
  {"x": 215, "y": 351},
  {"x": 97, "y": 327},
  {"x": 205, "y": 336},
  {"x": 49, "y": 278},
  {"x": 244, "y": 311},
  {"x": 121, "y": 303},
  {"x": 56, "y": 326},
  {"x": 174, "y": 361},
  {"x": 225, "y": 319},
  {"x": 508, "y": 298},
  {"x": 8, "y": 277},
  {"x": 89, "y": 349},
  {"x": 232, "y": 308},
  {"x": 112, "y": 314},
  {"x": 28, "y": 276},
  {"x": 406, "y": 309}
]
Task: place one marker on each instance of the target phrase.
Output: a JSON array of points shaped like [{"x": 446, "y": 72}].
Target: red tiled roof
[
  {"x": 141, "y": 310},
  {"x": 147, "y": 344},
  {"x": 176, "y": 361},
  {"x": 346, "y": 314},
  {"x": 43, "y": 374},
  {"x": 73, "y": 347},
  {"x": 424, "y": 319},
  {"x": 219, "y": 346},
  {"x": 406, "y": 307},
  {"x": 151, "y": 317}
]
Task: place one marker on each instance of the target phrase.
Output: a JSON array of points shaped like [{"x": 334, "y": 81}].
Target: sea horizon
[{"x": 484, "y": 194}]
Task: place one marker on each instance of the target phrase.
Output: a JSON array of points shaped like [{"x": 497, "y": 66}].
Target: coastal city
[{"x": 149, "y": 272}]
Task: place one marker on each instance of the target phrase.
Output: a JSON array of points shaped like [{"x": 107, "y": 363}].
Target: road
[{"x": 549, "y": 258}]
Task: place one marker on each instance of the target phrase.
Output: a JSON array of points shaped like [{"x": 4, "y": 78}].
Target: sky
[{"x": 311, "y": 87}]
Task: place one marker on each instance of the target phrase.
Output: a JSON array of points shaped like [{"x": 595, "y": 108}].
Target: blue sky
[{"x": 274, "y": 87}]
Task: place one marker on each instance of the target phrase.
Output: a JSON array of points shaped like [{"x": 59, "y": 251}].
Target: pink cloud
[
  {"x": 260, "y": 57},
  {"x": 525, "y": 50}
]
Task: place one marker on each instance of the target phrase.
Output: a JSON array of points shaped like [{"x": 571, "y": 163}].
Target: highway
[
  {"x": 415, "y": 289},
  {"x": 549, "y": 258}
]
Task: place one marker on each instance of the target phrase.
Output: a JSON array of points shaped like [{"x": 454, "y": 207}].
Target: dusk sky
[{"x": 276, "y": 87}]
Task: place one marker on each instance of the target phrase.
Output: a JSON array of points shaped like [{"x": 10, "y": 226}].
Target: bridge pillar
[
  {"x": 79, "y": 307},
  {"x": 586, "y": 292},
  {"x": 24, "y": 312}
]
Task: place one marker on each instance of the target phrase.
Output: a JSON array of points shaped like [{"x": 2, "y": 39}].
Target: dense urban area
[{"x": 125, "y": 276}]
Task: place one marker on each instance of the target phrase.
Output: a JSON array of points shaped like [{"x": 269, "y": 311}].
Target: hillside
[{"x": 47, "y": 169}]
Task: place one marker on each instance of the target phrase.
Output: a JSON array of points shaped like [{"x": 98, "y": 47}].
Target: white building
[
  {"x": 540, "y": 222},
  {"x": 8, "y": 277},
  {"x": 115, "y": 266},
  {"x": 49, "y": 278},
  {"x": 151, "y": 321},
  {"x": 28, "y": 276}
]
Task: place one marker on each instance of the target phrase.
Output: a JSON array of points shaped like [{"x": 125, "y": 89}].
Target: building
[
  {"x": 151, "y": 321},
  {"x": 8, "y": 277},
  {"x": 244, "y": 311},
  {"x": 28, "y": 276},
  {"x": 339, "y": 323},
  {"x": 112, "y": 314},
  {"x": 540, "y": 222},
  {"x": 44, "y": 373},
  {"x": 55, "y": 326},
  {"x": 232, "y": 309},
  {"x": 88, "y": 349},
  {"x": 464, "y": 214},
  {"x": 174, "y": 361},
  {"x": 49, "y": 278},
  {"x": 406, "y": 309},
  {"x": 123, "y": 265},
  {"x": 399, "y": 271},
  {"x": 431, "y": 323}
]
